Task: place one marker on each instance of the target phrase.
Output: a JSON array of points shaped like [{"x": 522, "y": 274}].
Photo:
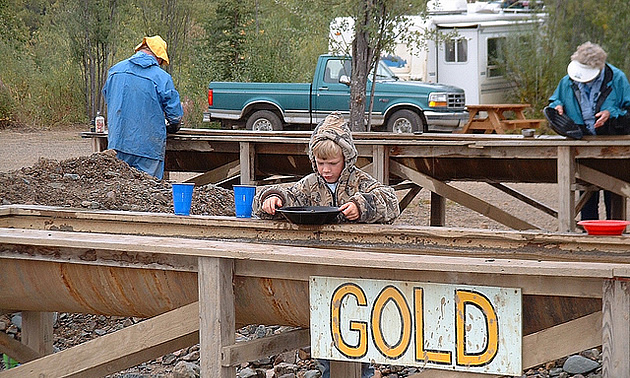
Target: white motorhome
[{"x": 467, "y": 60}]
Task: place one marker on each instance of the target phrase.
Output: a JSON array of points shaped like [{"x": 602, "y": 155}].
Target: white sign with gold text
[{"x": 440, "y": 326}]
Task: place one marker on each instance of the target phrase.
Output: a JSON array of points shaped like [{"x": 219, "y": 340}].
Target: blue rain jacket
[
  {"x": 140, "y": 96},
  {"x": 614, "y": 95}
]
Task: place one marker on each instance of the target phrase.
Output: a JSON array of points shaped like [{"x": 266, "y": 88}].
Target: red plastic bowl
[{"x": 604, "y": 227}]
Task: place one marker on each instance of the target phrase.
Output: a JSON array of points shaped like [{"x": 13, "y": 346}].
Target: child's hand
[
  {"x": 271, "y": 204},
  {"x": 350, "y": 210}
]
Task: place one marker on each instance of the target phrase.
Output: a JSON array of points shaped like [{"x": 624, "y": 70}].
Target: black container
[{"x": 310, "y": 214}]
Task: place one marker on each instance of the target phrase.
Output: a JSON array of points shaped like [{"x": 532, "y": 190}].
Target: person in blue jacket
[
  {"x": 142, "y": 105},
  {"x": 596, "y": 96}
]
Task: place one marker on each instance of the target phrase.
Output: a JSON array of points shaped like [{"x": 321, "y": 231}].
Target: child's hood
[{"x": 334, "y": 127}]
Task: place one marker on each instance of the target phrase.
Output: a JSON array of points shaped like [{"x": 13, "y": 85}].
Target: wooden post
[
  {"x": 37, "y": 331},
  {"x": 247, "y": 153},
  {"x": 438, "y": 210},
  {"x": 216, "y": 315},
  {"x": 617, "y": 206},
  {"x": 380, "y": 159},
  {"x": 345, "y": 369},
  {"x": 616, "y": 328},
  {"x": 566, "y": 189}
]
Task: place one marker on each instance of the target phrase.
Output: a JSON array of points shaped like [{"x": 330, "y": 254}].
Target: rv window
[
  {"x": 456, "y": 50},
  {"x": 495, "y": 56}
]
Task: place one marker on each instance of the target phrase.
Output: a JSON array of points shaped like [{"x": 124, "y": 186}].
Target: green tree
[{"x": 377, "y": 24}]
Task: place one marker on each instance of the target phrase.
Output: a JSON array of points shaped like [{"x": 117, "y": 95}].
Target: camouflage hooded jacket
[{"x": 377, "y": 203}]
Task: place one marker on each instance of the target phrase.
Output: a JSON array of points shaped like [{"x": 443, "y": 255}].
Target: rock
[
  {"x": 579, "y": 365},
  {"x": 16, "y": 319},
  {"x": 3, "y": 326},
  {"x": 288, "y": 357},
  {"x": 555, "y": 372},
  {"x": 169, "y": 359},
  {"x": 283, "y": 369},
  {"x": 592, "y": 354},
  {"x": 193, "y": 356},
  {"x": 312, "y": 374},
  {"x": 185, "y": 369},
  {"x": 247, "y": 373}
]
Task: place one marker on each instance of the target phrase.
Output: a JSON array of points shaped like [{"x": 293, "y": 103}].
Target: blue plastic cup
[
  {"x": 243, "y": 200},
  {"x": 182, "y": 198}
]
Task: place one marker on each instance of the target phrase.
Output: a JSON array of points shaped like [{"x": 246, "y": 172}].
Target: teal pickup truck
[{"x": 399, "y": 106}]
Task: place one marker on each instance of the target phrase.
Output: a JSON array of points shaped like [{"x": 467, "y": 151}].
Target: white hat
[{"x": 581, "y": 72}]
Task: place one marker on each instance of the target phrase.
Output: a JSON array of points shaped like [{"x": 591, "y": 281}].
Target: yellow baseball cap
[{"x": 157, "y": 46}]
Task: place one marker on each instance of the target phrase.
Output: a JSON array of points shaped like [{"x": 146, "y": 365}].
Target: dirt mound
[{"x": 101, "y": 181}]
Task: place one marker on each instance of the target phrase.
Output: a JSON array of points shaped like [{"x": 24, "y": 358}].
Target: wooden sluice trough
[{"x": 197, "y": 278}]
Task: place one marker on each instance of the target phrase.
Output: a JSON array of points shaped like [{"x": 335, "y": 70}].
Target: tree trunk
[{"x": 361, "y": 58}]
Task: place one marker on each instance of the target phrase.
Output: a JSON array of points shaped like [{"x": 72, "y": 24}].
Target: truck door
[
  {"x": 457, "y": 62},
  {"x": 331, "y": 95}
]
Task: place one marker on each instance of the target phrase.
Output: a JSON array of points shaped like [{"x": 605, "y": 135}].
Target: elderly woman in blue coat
[
  {"x": 142, "y": 103},
  {"x": 596, "y": 96}
]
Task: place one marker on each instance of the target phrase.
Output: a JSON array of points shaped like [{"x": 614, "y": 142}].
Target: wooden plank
[
  {"x": 411, "y": 194},
  {"x": 37, "y": 331},
  {"x": 566, "y": 189},
  {"x": 347, "y": 257},
  {"x": 562, "y": 340},
  {"x": 218, "y": 174},
  {"x": 246, "y": 351},
  {"x": 247, "y": 159},
  {"x": 541, "y": 285},
  {"x": 616, "y": 328},
  {"x": 119, "y": 350},
  {"x": 603, "y": 180},
  {"x": 345, "y": 369},
  {"x": 16, "y": 350},
  {"x": 380, "y": 155},
  {"x": 216, "y": 315},
  {"x": 460, "y": 197},
  {"x": 525, "y": 198}
]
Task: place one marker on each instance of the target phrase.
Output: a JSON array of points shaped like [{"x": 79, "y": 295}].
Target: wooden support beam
[
  {"x": 411, "y": 194},
  {"x": 438, "y": 210},
  {"x": 216, "y": 175},
  {"x": 616, "y": 328},
  {"x": 566, "y": 189},
  {"x": 16, "y": 350},
  {"x": 247, "y": 160},
  {"x": 460, "y": 197},
  {"x": 525, "y": 198},
  {"x": 239, "y": 353},
  {"x": 562, "y": 340},
  {"x": 345, "y": 369},
  {"x": 380, "y": 157},
  {"x": 122, "y": 349},
  {"x": 217, "y": 321},
  {"x": 602, "y": 180},
  {"x": 37, "y": 331}
]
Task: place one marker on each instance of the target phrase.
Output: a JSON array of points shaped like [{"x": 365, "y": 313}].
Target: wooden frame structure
[
  {"x": 430, "y": 161},
  {"x": 222, "y": 260}
]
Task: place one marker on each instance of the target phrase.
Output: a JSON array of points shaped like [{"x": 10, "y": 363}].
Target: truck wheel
[
  {"x": 405, "y": 121},
  {"x": 264, "y": 120}
]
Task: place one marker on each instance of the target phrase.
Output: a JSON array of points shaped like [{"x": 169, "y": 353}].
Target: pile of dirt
[{"x": 101, "y": 181}]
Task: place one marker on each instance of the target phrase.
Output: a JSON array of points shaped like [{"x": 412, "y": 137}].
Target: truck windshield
[{"x": 383, "y": 73}]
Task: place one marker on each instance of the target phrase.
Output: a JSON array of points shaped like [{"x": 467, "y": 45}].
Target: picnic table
[{"x": 496, "y": 120}]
